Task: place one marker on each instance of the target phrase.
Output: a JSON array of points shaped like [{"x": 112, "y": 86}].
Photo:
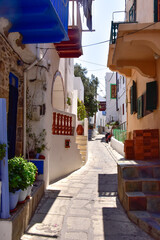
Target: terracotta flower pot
[{"x": 80, "y": 130}]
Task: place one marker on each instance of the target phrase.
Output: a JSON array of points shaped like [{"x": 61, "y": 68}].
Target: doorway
[{"x": 12, "y": 114}]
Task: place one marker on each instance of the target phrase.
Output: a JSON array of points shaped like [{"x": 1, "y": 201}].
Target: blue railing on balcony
[
  {"x": 114, "y": 31},
  {"x": 39, "y": 21}
]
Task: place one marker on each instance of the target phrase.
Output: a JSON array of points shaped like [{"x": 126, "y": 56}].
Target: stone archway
[{"x": 57, "y": 92}]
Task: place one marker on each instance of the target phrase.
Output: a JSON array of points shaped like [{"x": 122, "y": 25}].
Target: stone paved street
[{"x": 84, "y": 205}]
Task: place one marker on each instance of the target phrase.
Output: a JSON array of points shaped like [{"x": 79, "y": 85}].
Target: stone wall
[{"x": 9, "y": 63}]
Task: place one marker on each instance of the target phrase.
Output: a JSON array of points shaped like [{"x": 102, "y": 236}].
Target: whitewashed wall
[
  {"x": 118, "y": 146},
  {"x": 121, "y": 98},
  {"x": 59, "y": 160},
  {"x": 142, "y": 7},
  {"x": 100, "y": 118},
  {"x": 78, "y": 85},
  {"x": 111, "y": 112}
]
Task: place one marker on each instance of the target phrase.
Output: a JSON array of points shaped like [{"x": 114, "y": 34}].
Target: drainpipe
[{"x": 24, "y": 105}]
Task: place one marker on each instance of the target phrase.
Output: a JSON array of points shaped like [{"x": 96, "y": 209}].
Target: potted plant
[
  {"x": 2, "y": 150},
  {"x": 37, "y": 144},
  {"x": 32, "y": 170},
  {"x": 14, "y": 182},
  {"x": 21, "y": 175},
  {"x": 27, "y": 173}
]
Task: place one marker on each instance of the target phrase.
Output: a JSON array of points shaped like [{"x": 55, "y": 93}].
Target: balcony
[
  {"x": 73, "y": 47},
  {"x": 44, "y": 21},
  {"x": 134, "y": 46}
]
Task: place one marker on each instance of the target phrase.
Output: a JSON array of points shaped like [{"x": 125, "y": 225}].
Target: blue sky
[{"x": 102, "y": 17}]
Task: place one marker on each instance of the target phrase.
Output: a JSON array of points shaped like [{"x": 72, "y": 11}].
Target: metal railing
[
  {"x": 74, "y": 15},
  {"x": 114, "y": 31},
  {"x": 120, "y": 135}
]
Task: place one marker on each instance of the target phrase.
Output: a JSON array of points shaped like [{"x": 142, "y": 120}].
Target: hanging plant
[
  {"x": 2, "y": 150},
  {"x": 69, "y": 101}
]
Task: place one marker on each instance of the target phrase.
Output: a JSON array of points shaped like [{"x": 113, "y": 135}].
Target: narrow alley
[{"x": 84, "y": 205}]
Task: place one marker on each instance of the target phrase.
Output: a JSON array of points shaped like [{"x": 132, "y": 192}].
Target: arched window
[{"x": 57, "y": 92}]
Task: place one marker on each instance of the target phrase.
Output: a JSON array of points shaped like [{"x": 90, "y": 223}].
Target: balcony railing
[
  {"x": 74, "y": 14},
  {"x": 119, "y": 134},
  {"x": 73, "y": 47},
  {"x": 114, "y": 31},
  {"x": 63, "y": 123}
]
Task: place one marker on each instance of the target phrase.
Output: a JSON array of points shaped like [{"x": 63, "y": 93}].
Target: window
[
  {"x": 123, "y": 108},
  {"x": 113, "y": 91},
  {"x": 133, "y": 98},
  {"x": 151, "y": 95},
  {"x": 140, "y": 107}
]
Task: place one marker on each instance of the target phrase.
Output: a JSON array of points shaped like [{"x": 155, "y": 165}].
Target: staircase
[
  {"x": 139, "y": 193},
  {"x": 82, "y": 143}
]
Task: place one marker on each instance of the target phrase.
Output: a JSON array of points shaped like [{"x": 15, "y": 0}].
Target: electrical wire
[
  {"x": 110, "y": 77},
  {"x": 108, "y": 40},
  {"x": 91, "y": 63}
]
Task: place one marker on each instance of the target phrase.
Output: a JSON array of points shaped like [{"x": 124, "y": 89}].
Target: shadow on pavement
[
  {"x": 107, "y": 185},
  {"x": 116, "y": 224},
  {"x": 37, "y": 227},
  {"x": 103, "y": 139}
]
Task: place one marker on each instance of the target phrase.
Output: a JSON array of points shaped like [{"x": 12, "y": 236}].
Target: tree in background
[
  {"x": 90, "y": 89},
  {"x": 81, "y": 110}
]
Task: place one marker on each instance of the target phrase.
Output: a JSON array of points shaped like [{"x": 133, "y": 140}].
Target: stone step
[
  {"x": 132, "y": 172},
  {"x": 83, "y": 157},
  {"x": 83, "y": 152},
  {"x": 149, "y": 222},
  {"x": 142, "y": 185},
  {"x": 143, "y": 201},
  {"x": 81, "y": 142},
  {"x": 81, "y": 137},
  {"x": 82, "y": 147}
]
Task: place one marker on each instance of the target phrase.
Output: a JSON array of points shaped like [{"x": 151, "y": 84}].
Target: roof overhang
[
  {"x": 39, "y": 21},
  {"x": 137, "y": 47}
]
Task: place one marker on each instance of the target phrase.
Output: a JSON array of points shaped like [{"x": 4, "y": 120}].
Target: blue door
[{"x": 12, "y": 114}]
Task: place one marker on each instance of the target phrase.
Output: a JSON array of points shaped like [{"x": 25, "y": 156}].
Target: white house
[
  {"x": 101, "y": 115},
  {"x": 121, "y": 100},
  {"x": 110, "y": 84},
  {"x": 78, "y": 85}
]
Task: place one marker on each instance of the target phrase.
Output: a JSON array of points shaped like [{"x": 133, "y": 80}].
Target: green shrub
[
  {"x": 21, "y": 173},
  {"x": 81, "y": 111}
]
